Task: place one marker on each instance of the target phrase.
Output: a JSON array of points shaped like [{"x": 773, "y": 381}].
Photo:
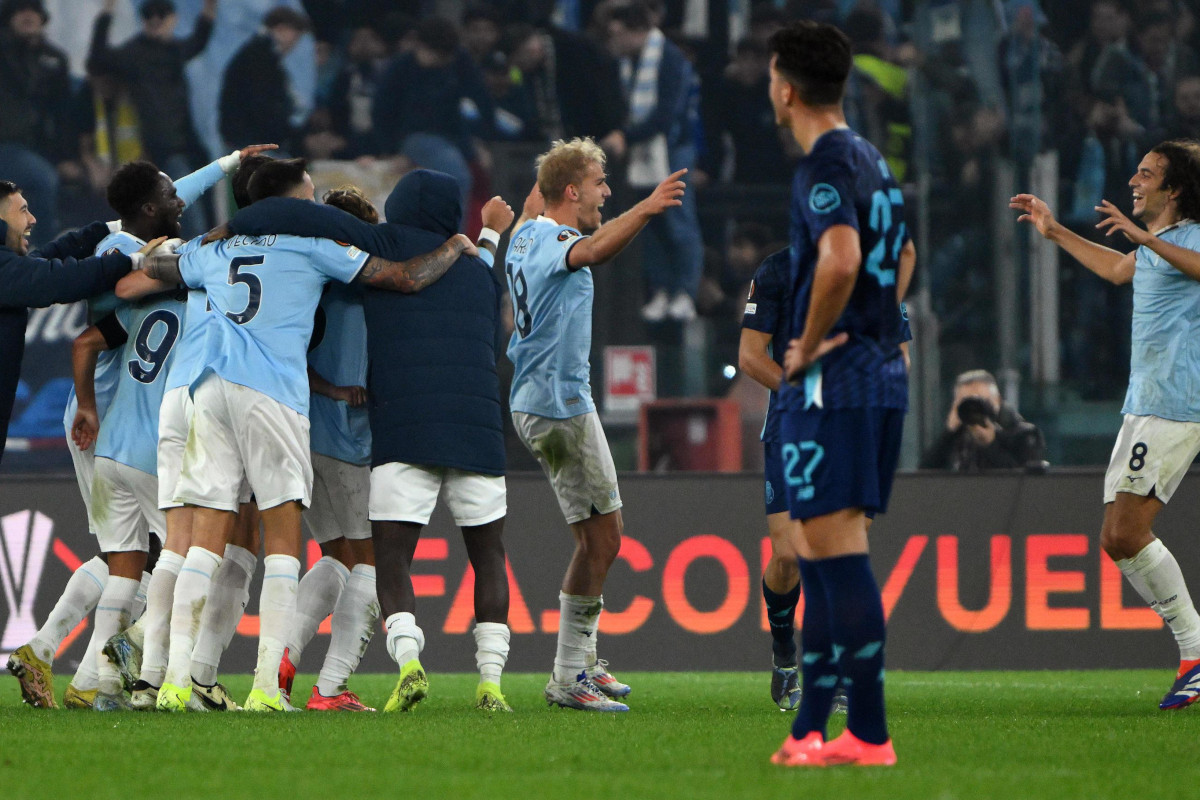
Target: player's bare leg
[
  {"x": 395, "y": 545},
  {"x": 580, "y": 679},
  {"x": 485, "y": 550},
  {"x": 1153, "y": 571},
  {"x": 781, "y": 591},
  {"x": 277, "y": 602}
]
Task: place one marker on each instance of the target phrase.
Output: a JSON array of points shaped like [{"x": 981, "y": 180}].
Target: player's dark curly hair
[
  {"x": 1182, "y": 173},
  {"x": 8, "y": 189},
  {"x": 815, "y": 58},
  {"x": 132, "y": 185},
  {"x": 240, "y": 182},
  {"x": 276, "y": 178}
]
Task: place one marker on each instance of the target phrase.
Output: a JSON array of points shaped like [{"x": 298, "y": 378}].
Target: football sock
[
  {"x": 139, "y": 599},
  {"x": 86, "y": 677},
  {"x": 781, "y": 615},
  {"x": 112, "y": 616},
  {"x": 818, "y": 667},
  {"x": 156, "y": 621},
  {"x": 858, "y": 633},
  {"x": 405, "y": 641},
  {"x": 191, "y": 595},
  {"x": 578, "y": 619},
  {"x": 276, "y": 606},
  {"x": 227, "y": 602},
  {"x": 1155, "y": 574},
  {"x": 491, "y": 650},
  {"x": 78, "y": 599},
  {"x": 316, "y": 599},
  {"x": 136, "y": 633},
  {"x": 354, "y": 620}
]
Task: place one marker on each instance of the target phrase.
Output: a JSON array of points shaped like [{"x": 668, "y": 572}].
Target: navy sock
[
  {"x": 781, "y": 615},
  {"x": 856, "y": 610},
  {"x": 818, "y": 666}
]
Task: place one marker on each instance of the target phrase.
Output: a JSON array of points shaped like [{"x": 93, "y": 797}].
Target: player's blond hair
[{"x": 564, "y": 164}]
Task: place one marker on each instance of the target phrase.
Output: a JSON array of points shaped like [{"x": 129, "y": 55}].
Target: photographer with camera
[{"x": 981, "y": 432}]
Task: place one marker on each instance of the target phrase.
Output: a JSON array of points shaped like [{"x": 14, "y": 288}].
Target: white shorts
[
  {"x": 574, "y": 454},
  {"x": 339, "y": 500},
  {"x": 174, "y": 421},
  {"x": 1151, "y": 457},
  {"x": 408, "y": 493},
  {"x": 126, "y": 507},
  {"x": 240, "y": 435},
  {"x": 85, "y": 468}
]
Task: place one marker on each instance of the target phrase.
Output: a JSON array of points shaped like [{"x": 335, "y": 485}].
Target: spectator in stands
[
  {"x": 738, "y": 116},
  {"x": 35, "y": 95},
  {"x": 1032, "y": 71},
  {"x": 436, "y": 104},
  {"x": 877, "y": 96},
  {"x": 516, "y": 115},
  {"x": 1163, "y": 59},
  {"x": 108, "y": 131},
  {"x": 659, "y": 135},
  {"x": 1185, "y": 115},
  {"x": 982, "y": 432},
  {"x": 572, "y": 84},
  {"x": 481, "y": 31},
  {"x": 256, "y": 100},
  {"x": 349, "y": 110},
  {"x": 151, "y": 65}
]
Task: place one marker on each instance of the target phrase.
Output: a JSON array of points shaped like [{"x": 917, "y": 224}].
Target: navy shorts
[
  {"x": 775, "y": 493},
  {"x": 839, "y": 458}
]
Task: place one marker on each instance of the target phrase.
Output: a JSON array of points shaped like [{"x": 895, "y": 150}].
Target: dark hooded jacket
[
  {"x": 434, "y": 396},
  {"x": 48, "y": 276}
]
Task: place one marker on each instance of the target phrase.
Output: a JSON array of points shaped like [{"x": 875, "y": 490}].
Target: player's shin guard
[
  {"x": 858, "y": 638},
  {"x": 227, "y": 602},
  {"x": 354, "y": 620},
  {"x": 191, "y": 595},
  {"x": 77, "y": 601},
  {"x": 156, "y": 621},
  {"x": 818, "y": 666},
  {"x": 316, "y": 599},
  {"x": 112, "y": 616},
  {"x": 1155, "y": 574},
  {"x": 491, "y": 650},
  {"x": 277, "y": 605},
  {"x": 781, "y": 615}
]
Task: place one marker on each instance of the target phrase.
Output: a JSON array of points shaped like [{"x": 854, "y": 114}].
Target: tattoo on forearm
[{"x": 412, "y": 275}]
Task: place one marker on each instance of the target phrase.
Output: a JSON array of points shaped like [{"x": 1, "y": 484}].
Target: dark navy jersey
[
  {"x": 769, "y": 310},
  {"x": 845, "y": 181}
]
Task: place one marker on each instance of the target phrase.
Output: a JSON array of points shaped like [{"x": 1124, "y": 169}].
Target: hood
[{"x": 428, "y": 200}]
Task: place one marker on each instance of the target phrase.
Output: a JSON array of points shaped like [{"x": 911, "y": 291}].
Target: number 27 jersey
[{"x": 845, "y": 181}]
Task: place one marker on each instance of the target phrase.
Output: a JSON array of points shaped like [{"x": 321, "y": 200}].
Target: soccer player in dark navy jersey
[{"x": 844, "y": 394}]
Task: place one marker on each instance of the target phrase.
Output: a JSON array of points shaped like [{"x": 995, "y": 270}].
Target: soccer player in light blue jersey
[
  {"x": 250, "y": 416},
  {"x": 550, "y": 281},
  {"x": 1160, "y": 434}
]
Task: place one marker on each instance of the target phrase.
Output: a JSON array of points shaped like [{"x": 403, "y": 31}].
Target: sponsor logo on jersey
[
  {"x": 352, "y": 252},
  {"x": 751, "y": 309},
  {"x": 824, "y": 198}
]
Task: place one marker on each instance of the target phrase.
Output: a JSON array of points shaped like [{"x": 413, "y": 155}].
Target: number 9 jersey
[{"x": 845, "y": 181}]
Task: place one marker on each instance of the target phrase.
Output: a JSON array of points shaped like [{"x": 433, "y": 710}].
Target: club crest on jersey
[
  {"x": 824, "y": 198},
  {"x": 564, "y": 235}
]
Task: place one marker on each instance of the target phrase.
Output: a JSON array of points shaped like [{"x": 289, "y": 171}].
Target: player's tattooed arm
[{"x": 415, "y": 274}]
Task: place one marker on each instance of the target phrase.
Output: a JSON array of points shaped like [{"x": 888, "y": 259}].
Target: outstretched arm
[
  {"x": 1185, "y": 260},
  {"x": 614, "y": 236},
  {"x": 1109, "y": 264},
  {"x": 415, "y": 274}
]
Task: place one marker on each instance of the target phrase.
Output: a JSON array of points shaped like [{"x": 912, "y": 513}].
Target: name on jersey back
[{"x": 252, "y": 241}]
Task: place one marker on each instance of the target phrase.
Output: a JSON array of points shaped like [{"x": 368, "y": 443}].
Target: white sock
[
  {"x": 86, "y": 677},
  {"x": 136, "y": 633},
  {"x": 112, "y": 617},
  {"x": 578, "y": 619},
  {"x": 316, "y": 599},
  {"x": 191, "y": 594},
  {"x": 1155, "y": 573},
  {"x": 139, "y": 599},
  {"x": 78, "y": 599},
  {"x": 354, "y": 619},
  {"x": 156, "y": 620},
  {"x": 227, "y": 602},
  {"x": 276, "y": 606},
  {"x": 491, "y": 650},
  {"x": 405, "y": 640}
]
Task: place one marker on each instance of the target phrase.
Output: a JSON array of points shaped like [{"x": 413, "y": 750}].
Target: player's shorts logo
[
  {"x": 824, "y": 198},
  {"x": 770, "y": 493}
]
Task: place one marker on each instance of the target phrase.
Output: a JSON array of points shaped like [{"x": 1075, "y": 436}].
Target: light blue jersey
[
  {"x": 552, "y": 313},
  {"x": 1164, "y": 373},
  {"x": 264, "y": 292},
  {"x": 188, "y": 362},
  {"x": 129, "y": 431},
  {"x": 339, "y": 355}
]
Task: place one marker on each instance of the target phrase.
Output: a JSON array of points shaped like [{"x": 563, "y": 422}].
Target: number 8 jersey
[{"x": 845, "y": 181}]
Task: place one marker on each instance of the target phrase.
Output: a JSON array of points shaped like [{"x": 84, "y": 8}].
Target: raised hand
[
  {"x": 497, "y": 214},
  {"x": 667, "y": 194},
  {"x": 255, "y": 149},
  {"x": 1034, "y": 211},
  {"x": 1117, "y": 221}
]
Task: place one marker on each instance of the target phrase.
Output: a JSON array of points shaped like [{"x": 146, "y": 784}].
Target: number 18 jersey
[{"x": 845, "y": 181}]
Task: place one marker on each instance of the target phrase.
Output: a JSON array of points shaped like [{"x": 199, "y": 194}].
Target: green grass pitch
[{"x": 977, "y": 735}]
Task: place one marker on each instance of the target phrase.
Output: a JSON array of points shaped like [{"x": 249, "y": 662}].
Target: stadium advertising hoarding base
[{"x": 986, "y": 572}]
